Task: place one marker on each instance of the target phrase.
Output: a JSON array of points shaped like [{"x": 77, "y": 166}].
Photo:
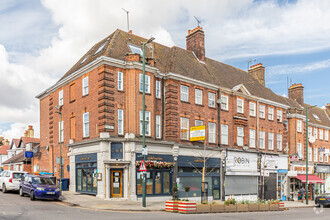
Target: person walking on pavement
[{"x": 302, "y": 192}]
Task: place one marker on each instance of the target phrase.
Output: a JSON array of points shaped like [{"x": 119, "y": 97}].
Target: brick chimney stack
[
  {"x": 195, "y": 42},
  {"x": 258, "y": 72},
  {"x": 6, "y": 142},
  {"x": 296, "y": 92},
  {"x": 328, "y": 108}
]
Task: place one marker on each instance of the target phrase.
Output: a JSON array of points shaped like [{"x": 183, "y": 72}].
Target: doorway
[{"x": 116, "y": 183}]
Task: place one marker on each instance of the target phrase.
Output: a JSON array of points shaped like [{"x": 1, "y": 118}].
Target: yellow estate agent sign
[{"x": 197, "y": 133}]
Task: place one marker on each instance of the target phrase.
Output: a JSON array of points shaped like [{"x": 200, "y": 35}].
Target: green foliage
[
  {"x": 230, "y": 201},
  {"x": 213, "y": 202},
  {"x": 245, "y": 202},
  {"x": 204, "y": 202}
]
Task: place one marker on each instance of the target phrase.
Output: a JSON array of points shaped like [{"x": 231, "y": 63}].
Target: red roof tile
[{"x": 4, "y": 149}]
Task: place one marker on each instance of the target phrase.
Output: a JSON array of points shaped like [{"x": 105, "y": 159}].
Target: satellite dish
[{"x": 311, "y": 139}]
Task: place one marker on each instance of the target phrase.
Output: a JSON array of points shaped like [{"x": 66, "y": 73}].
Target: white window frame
[
  {"x": 211, "y": 99},
  {"x": 310, "y": 154},
  {"x": 184, "y": 125},
  {"x": 199, "y": 123},
  {"x": 224, "y": 134},
  {"x": 252, "y": 109},
  {"x": 147, "y": 83},
  {"x": 240, "y": 105},
  {"x": 120, "y": 121},
  {"x": 316, "y": 156},
  {"x": 184, "y": 95},
  {"x": 321, "y": 134},
  {"x": 262, "y": 139},
  {"x": 158, "y": 89},
  {"x": 224, "y": 102},
  {"x": 120, "y": 81},
  {"x": 326, "y": 135},
  {"x": 320, "y": 156},
  {"x": 299, "y": 126},
  {"x": 279, "y": 115},
  {"x": 270, "y": 141},
  {"x": 271, "y": 113},
  {"x": 212, "y": 132},
  {"x": 198, "y": 97},
  {"x": 240, "y": 136},
  {"x": 85, "y": 87},
  {"x": 315, "y": 133},
  {"x": 262, "y": 111},
  {"x": 279, "y": 142},
  {"x": 61, "y": 131},
  {"x": 300, "y": 151},
  {"x": 158, "y": 126},
  {"x": 147, "y": 123},
  {"x": 326, "y": 158},
  {"x": 86, "y": 125},
  {"x": 60, "y": 97},
  {"x": 252, "y": 138}
]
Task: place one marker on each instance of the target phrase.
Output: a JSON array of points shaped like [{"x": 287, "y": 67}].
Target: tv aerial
[{"x": 198, "y": 21}]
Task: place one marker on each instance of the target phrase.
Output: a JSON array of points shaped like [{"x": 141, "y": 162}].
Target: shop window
[{"x": 158, "y": 182}]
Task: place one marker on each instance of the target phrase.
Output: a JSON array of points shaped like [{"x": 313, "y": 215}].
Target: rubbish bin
[{"x": 65, "y": 183}]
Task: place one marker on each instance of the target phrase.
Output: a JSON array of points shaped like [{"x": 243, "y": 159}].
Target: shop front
[
  {"x": 323, "y": 172},
  {"x": 241, "y": 175},
  {"x": 298, "y": 180},
  {"x": 159, "y": 175},
  {"x": 86, "y": 168},
  {"x": 269, "y": 165},
  {"x": 282, "y": 178},
  {"x": 190, "y": 175}
]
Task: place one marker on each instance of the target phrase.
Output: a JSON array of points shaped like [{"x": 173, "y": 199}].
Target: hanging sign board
[
  {"x": 143, "y": 166},
  {"x": 197, "y": 133},
  {"x": 28, "y": 154}
]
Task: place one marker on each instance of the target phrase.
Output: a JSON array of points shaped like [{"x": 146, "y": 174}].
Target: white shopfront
[{"x": 241, "y": 177}]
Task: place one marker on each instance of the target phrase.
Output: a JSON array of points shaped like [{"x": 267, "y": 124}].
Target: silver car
[{"x": 9, "y": 180}]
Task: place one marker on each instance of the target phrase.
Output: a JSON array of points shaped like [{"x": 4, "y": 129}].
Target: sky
[{"x": 40, "y": 40}]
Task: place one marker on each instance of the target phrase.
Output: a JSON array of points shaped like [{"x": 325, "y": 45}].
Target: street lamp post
[
  {"x": 144, "y": 184},
  {"x": 59, "y": 108},
  {"x": 307, "y": 152}
]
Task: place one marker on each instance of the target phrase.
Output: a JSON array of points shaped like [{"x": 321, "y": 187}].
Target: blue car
[{"x": 39, "y": 187}]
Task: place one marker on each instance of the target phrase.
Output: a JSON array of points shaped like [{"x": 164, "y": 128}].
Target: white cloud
[
  {"x": 298, "y": 68},
  {"x": 17, "y": 130}
]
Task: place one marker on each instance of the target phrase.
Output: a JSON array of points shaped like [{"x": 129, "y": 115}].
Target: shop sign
[
  {"x": 197, "y": 133},
  {"x": 301, "y": 169},
  {"x": 294, "y": 158},
  {"x": 155, "y": 157},
  {"x": 269, "y": 162},
  {"x": 322, "y": 169},
  {"x": 86, "y": 158},
  {"x": 238, "y": 161}
]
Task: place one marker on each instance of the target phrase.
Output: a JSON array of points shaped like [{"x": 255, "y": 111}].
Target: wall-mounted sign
[
  {"x": 269, "y": 162},
  {"x": 301, "y": 169},
  {"x": 110, "y": 127},
  {"x": 28, "y": 154},
  {"x": 98, "y": 176},
  {"x": 239, "y": 161},
  {"x": 322, "y": 169},
  {"x": 197, "y": 133}
]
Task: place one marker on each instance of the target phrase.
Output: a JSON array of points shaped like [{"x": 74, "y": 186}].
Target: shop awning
[{"x": 311, "y": 178}]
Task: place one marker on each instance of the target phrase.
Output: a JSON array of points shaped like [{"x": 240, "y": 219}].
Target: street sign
[
  {"x": 143, "y": 166},
  {"x": 197, "y": 133},
  {"x": 145, "y": 151},
  {"x": 28, "y": 154}
]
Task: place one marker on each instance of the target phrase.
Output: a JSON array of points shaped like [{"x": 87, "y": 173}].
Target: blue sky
[{"x": 41, "y": 40}]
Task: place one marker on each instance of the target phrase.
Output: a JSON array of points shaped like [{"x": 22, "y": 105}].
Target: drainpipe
[
  {"x": 163, "y": 108},
  {"x": 222, "y": 179}
]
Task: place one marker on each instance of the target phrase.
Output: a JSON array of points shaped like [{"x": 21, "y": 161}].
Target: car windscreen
[
  {"x": 17, "y": 175},
  {"x": 42, "y": 181}
]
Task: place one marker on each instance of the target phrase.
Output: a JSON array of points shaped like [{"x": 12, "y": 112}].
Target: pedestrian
[{"x": 302, "y": 192}]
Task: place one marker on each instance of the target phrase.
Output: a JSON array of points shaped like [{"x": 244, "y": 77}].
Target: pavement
[{"x": 92, "y": 202}]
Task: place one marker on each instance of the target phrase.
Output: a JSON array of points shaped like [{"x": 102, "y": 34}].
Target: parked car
[
  {"x": 322, "y": 200},
  {"x": 39, "y": 187},
  {"x": 9, "y": 180}
]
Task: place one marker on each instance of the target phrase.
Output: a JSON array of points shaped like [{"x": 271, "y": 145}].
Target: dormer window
[
  {"x": 84, "y": 59},
  {"x": 135, "y": 49}
]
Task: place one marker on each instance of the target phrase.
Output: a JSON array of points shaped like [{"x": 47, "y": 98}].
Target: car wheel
[
  {"x": 4, "y": 190},
  {"x": 32, "y": 197},
  {"x": 21, "y": 192}
]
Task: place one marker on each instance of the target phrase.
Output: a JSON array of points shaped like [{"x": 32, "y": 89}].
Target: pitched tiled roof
[
  {"x": 179, "y": 61},
  {"x": 17, "y": 158},
  {"x": 317, "y": 115},
  {"x": 27, "y": 140},
  {"x": 16, "y": 142},
  {"x": 4, "y": 149}
]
